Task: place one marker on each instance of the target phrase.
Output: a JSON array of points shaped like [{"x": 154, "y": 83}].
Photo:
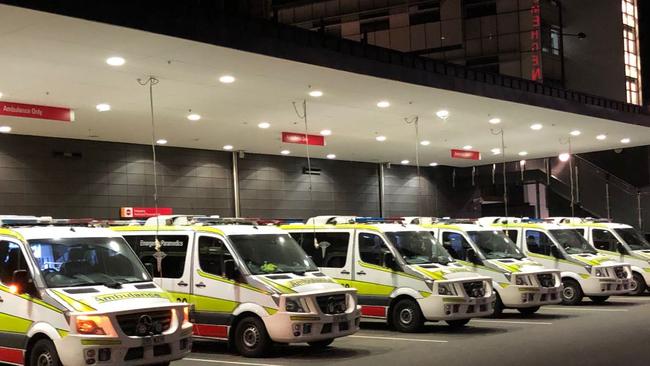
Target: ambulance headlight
[
  {"x": 94, "y": 325},
  {"x": 588, "y": 268},
  {"x": 521, "y": 281},
  {"x": 429, "y": 283},
  {"x": 600, "y": 272},
  {"x": 186, "y": 315},
  {"x": 446, "y": 289},
  {"x": 294, "y": 306}
]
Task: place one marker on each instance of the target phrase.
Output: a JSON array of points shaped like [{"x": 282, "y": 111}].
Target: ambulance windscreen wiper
[{"x": 111, "y": 284}]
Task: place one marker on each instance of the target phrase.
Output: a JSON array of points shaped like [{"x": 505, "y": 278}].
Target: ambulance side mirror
[
  {"x": 555, "y": 252},
  {"x": 472, "y": 257},
  {"x": 621, "y": 249},
  {"x": 230, "y": 269},
  {"x": 20, "y": 281},
  {"x": 390, "y": 262}
]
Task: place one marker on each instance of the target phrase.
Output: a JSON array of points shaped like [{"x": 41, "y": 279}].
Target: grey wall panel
[{"x": 105, "y": 176}]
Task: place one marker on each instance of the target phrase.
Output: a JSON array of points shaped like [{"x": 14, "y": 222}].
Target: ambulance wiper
[{"x": 111, "y": 284}]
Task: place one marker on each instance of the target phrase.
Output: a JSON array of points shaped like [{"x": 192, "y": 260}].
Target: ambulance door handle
[
  {"x": 345, "y": 272},
  {"x": 361, "y": 273},
  {"x": 182, "y": 283},
  {"x": 200, "y": 284},
  {"x": 1, "y": 300}
]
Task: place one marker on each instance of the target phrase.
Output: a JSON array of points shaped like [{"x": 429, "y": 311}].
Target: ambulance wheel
[
  {"x": 498, "y": 306},
  {"x": 529, "y": 311},
  {"x": 638, "y": 285},
  {"x": 407, "y": 316},
  {"x": 321, "y": 344},
  {"x": 457, "y": 323},
  {"x": 572, "y": 293},
  {"x": 599, "y": 299},
  {"x": 44, "y": 354},
  {"x": 251, "y": 337}
]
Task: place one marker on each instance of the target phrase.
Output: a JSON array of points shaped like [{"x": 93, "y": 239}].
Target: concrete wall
[{"x": 78, "y": 178}]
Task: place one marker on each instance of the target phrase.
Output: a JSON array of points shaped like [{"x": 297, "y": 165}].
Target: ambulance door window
[
  {"x": 372, "y": 249},
  {"x": 212, "y": 254},
  {"x": 604, "y": 240},
  {"x": 538, "y": 242},
  {"x": 329, "y": 250},
  {"x": 11, "y": 259},
  {"x": 456, "y": 244}
]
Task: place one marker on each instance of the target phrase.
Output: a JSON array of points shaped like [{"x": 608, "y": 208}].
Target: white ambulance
[
  {"x": 519, "y": 282},
  {"x": 400, "y": 272},
  {"x": 584, "y": 272},
  {"x": 79, "y": 296},
  {"x": 620, "y": 241},
  {"x": 249, "y": 284}
]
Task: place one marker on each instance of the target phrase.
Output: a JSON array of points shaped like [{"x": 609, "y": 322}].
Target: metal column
[
  {"x": 382, "y": 208},
  {"x": 235, "y": 183}
]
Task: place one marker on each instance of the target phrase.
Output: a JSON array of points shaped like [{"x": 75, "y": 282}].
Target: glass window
[
  {"x": 272, "y": 253},
  {"x": 572, "y": 241},
  {"x": 372, "y": 248},
  {"x": 456, "y": 245},
  {"x": 329, "y": 250},
  {"x": 604, "y": 240},
  {"x": 174, "y": 246},
  {"x": 212, "y": 253},
  {"x": 418, "y": 247},
  {"x": 538, "y": 242},
  {"x": 11, "y": 259},
  {"x": 479, "y": 8},
  {"x": 87, "y": 261},
  {"x": 495, "y": 244},
  {"x": 513, "y": 235},
  {"x": 633, "y": 238}
]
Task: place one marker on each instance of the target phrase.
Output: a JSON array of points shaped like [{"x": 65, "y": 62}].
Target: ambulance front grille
[
  {"x": 620, "y": 272},
  {"x": 332, "y": 304},
  {"x": 546, "y": 280},
  {"x": 145, "y": 323}
]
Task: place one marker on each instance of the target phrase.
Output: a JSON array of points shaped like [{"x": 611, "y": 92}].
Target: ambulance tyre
[
  {"x": 43, "y": 353},
  {"x": 321, "y": 344},
  {"x": 497, "y": 306},
  {"x": 599, "y": 299},
  {"x": 529, "y": 311},
  {"x": 407, "y": 316},
  {"x": 572, "y": 293},
  {"x": 638, "y": 285},
  {"x": 457, "y": 323},
  {"x": 251, "y": 337}
]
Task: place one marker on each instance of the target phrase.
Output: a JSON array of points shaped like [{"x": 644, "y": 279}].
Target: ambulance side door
[
  {"x": 331, "y": 251},
  {"x": 539, "y": 244}
]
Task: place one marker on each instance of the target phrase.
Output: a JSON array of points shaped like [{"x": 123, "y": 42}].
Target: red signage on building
[
  {"x": 465, "y": 154},
  {"x": 36, "y": 111},
  {"x": 143, "y": 212},
  {"x": 301, "y": 138},
  {"x": 536, "y": 42}
]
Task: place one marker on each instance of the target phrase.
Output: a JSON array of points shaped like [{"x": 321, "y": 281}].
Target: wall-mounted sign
[
  {"x": 36, "y": 111},
  {"x": 465, "y": 154},
  {"x": 301, "y": 138},
  {"x": 143, "y": 212},
  {"x": 536, "y": 42}
]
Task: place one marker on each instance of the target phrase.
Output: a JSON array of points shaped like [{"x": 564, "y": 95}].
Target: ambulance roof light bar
[{"x": 20, "y": 220}]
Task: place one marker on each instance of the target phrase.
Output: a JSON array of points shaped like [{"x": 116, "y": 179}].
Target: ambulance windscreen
[{"x": 272, "y": 253}]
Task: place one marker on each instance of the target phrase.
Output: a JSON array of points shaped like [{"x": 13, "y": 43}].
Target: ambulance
[
  {"x": 249, "y": 284},
  {"x": 74, "y": 295},
  {"x": 620, "y": 241},
  {"x": 519, "y": 282},
  {"x": 584, "y": 271},
  {"x": 401, "y": 273}
]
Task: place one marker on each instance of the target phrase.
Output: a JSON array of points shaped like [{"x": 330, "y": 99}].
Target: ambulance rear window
[{"x": 174, "y": 247}]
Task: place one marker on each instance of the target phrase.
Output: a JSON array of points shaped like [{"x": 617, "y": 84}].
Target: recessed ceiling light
[
  {"x": 564, "y": 157},
  {"x": 380, "y": 138},
  {"x": 285, "y": 152},
  {"x": 115, "y": 61},
  {"x": 602, "y": 136},
  {"x": 495, "y": 121},
  {"x": 404, "y": 162},
  {"x": 264, "y": 125},
  {"x": 467, "y": 147},
  {"x": 315, "y": 93},
  {"x": 326, "y": 132},
  {"x": 496, "y": 151},
  {"x": 161, "y": 141},
  {"x": 433, "y": 164},
  {"x": 227, "y": 79},
  {"x": 625, "y": 140},
  {"x": 383, "y": 104},
  {"x": 523, "y": 153},
  {"x": 193, "y": 117},
  {"x": 5, "y": 129},
  {"x": 575, "y": 133},
  {"x": 442, "y": 114},
  {"x": 103, "y": 107},
  {"x": 227, "y": 147},
  {"x": 331, "y": 156},
  {"x": 536, "y": 126},
  {"x": 425, "y": 142}
]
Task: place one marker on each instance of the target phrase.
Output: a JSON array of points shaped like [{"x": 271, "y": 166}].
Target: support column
[
  {"x": 382, "y": 208},
  {"x": 235, "y": 183}
]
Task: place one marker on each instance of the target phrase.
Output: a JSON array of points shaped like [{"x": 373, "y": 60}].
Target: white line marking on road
[
  {"x": 228, "y": 362},
  {"x": 631, "y": 299},
  {"x": 399, "y": 339},
  {"x": 586, "y": 309},
  {"x": 509, "y": 322}
]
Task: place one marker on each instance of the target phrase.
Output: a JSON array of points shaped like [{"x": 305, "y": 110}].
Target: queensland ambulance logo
[
  {"x": 102, "y": 299},
  {"x": 308, "y": 281}
]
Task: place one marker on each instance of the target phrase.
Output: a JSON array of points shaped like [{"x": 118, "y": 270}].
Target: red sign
[
  {"x": 465, "y": 154},
  {"x": 36, "y": 111},
  {"x": 301, "y": 138},
  {"x": 536, "y": 42},
  {"x": 143, "y": 212}
]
